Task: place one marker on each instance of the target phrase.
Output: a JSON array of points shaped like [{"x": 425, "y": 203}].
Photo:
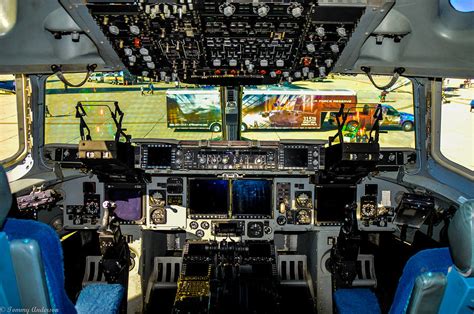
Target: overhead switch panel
[{"x": 227, "y": 42}]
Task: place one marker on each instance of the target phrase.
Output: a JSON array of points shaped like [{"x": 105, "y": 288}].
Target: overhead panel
[{"x": 228, "y": 42}]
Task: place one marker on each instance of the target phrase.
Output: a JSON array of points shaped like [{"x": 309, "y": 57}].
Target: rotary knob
[
  {"x": 200, "y": 233},
  {"x": 281, "y": 220}
]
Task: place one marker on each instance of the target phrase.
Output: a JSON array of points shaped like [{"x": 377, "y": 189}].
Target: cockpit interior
[{"x": 237, "y": 156}]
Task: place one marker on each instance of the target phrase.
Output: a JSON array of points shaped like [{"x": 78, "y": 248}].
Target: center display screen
[
  {"x": 159, "y": 156},
  {"x": 296, "y": 157},
  {"x": 252, "y": 198},
  {"x": 331, "y": 201},
  {"x": 208, "y": 197}
]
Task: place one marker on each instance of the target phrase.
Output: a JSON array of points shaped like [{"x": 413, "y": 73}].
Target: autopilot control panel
[{"x": 204, "y": 156}]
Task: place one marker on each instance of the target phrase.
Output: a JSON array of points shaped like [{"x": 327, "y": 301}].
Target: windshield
[
  {"x": 308, "y": 110},
  {"x": 303, "y": 110},
  {"x": 143, "y": 102},
  {"x": 457, "y": 121},
  {"x": 10, "y": 135}
]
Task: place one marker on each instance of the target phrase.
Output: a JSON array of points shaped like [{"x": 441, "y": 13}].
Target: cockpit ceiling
[{"x": 238, "y": 41}]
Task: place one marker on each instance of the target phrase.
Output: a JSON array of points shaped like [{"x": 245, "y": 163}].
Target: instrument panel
[
  {"x": 213, "y": 208},
  {"x": 235, "y": 156},
  {"x": 215, "y": 190}
]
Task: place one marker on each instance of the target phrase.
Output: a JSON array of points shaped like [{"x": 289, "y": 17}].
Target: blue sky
[{"x": 463, "y": 5}]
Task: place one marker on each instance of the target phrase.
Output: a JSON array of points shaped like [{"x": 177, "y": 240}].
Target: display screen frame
[
  {"x": 322, "y": 193},
  {"x": 269, "y": 211},
  {"x": 141, "y": 189},
  {"x": 222, "y": 214}
]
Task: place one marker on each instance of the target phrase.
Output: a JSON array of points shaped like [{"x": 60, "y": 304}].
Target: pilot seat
[
  {"x": 433, "y": 281},
  {"x": 32, "y": 271}
]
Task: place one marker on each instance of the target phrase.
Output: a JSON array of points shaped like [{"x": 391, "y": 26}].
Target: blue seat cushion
[
  {"x": 355, "y": 301},
  {"x": 51, "y": 254},
  {"x": 100, "y": 298},
  {"x": 432, "y": 260}
]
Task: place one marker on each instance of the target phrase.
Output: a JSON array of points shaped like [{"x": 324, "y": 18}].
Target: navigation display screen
[
  {"x": 296, "y": 157},
  {"x": 252, "y": 197},
  {"x": 159, "y": 156},
  {"x": 208, "y": 197},
  {"x": 331, "y": 201}
]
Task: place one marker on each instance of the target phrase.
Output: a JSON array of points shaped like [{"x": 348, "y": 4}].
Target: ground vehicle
[
  {"x": 250, "y": 222},
  {"x": 199, "y": 109},
  {"x": 391, "y": 117},
  {"x": 97, "y": 77},
  {"x": 292, "y": 107},
  {"x": 285, "y": 108}
]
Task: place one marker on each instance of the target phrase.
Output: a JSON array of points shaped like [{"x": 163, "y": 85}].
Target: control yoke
[{"x": 342, "y": 263}]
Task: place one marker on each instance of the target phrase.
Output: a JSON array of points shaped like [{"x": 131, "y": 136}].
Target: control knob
[
  {"x": 225, "y": 160},
  {"x": 200, "y": 233}
]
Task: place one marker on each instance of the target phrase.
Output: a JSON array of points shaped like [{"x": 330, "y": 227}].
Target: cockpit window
[
  {"x": 10, "y": 116},
  {"x": 463, "y": 5},
  {"x": 457, "y": 121},
  {"x": 307, "y": 110},
  {"x": 151, "y": 109}
]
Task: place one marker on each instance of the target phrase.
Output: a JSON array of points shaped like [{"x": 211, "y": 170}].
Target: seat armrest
[
  {"x": 427, "y": 293},
  {"x": 29, "y": 270},
  {"x": 100, "y": 298}
]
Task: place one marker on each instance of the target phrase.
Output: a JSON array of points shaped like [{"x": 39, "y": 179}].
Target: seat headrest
[
  {"x": 461, "y": 238},
  {"x": 5, "y": 196}
]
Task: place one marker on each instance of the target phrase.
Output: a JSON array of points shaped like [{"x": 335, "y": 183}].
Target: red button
[{"x": 136, "y": 42}]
